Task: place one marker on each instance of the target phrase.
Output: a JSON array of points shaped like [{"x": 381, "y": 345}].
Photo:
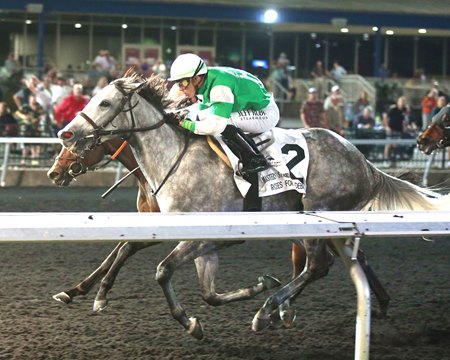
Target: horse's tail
[{"x": 397, "y": 194}]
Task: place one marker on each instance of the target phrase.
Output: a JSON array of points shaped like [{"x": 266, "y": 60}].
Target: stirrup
[{"x": 253, "y": 167}]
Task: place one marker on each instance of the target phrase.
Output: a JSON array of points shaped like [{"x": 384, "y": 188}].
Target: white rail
[{"x": 22, "y": 227}]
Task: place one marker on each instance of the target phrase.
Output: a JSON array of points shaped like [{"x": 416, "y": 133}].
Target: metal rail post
[{"x": 362, "y": 333}]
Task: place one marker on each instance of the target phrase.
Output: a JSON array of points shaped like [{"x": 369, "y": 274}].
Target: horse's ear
[
  {"x": 137, "y": 86},
  {"x": 130, "y": 72}
]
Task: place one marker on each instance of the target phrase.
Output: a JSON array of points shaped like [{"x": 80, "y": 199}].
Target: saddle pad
[{"x": 287, "y": 153}]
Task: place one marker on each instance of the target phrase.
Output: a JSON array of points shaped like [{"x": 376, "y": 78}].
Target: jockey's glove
[
  {"x": 186, "y": 102},
  {"x": 173, "y": 119}
]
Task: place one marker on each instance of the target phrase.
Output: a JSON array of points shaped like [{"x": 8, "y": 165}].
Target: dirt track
[{"x": 137, "y": 324}]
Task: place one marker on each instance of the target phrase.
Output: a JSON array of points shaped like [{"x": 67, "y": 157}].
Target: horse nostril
[
  {"x": 53, "y": 175},
  {"x": 65, "y": 135}
]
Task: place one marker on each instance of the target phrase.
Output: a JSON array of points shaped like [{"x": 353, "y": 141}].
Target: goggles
[{"x": 183, "y": 84}]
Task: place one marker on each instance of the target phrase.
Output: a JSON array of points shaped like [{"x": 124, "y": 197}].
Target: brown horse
[
  {"x": 67, "y": 167},
  {"x": 437, "y": 135}
]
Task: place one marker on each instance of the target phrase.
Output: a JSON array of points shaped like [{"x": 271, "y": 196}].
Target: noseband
[{"x": 77, "y": 167}]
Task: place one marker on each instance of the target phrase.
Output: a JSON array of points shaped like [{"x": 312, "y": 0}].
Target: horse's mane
[{"x": 153, "y": 89}]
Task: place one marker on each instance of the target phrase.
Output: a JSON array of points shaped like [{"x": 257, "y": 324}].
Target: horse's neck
[{"x": 155, "y": 151}]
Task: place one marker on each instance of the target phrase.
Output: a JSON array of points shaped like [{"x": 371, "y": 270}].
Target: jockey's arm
[
  {"x": 213, "y": 120},
  {"x": 211, "y": 125}
]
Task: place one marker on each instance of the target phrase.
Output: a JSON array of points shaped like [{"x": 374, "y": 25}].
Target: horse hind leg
[
  {"x": 375, "y": 285},
  {"x": 126, "y": 250},
  {"x": 317, "y": 266},
  {"x": 207, "y": 268},
  {"x": 286, "y": 314},
  {"x": 185, "y": 251},
  {"x": 86, "y": 285}
]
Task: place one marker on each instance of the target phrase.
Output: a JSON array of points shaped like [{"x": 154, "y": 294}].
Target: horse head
[
  {"x": 110, "y": 112},
  {"x": 67, "y": 165},
  {"x": 437, "y": 135}
]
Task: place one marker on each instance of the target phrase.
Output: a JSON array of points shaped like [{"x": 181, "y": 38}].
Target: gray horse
[{"x": 188, "y": 176}]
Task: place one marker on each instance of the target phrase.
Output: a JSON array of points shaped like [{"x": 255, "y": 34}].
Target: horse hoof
[
  {"x": 100, "y": 305},
  {"x": 63, "y": 297},
  {"x": 288, "y": 316},
  {"x": 269, "y": 282},
  {"x": 260, "y": 321},
  {"x": 195, "y": 328}
]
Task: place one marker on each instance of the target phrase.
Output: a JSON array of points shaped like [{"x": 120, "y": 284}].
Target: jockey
[{"x": 233, "y": 101}]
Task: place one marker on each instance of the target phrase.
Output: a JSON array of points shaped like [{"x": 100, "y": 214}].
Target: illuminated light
[
  {"x": 344, "y": 30},
  {"x": 366, "y": 37},
  {"x": 124, "y": 26},
  {"x": 28, "y": 22},
  {"x": 173, "y": 28},
  {"x": 313, "y": 35},
  {"x": 270, "y": 16},
  {"x": 78, "y": 26},
  {"x": 422, "y": 31},
  {"x": 389, "y": 32},
  {"x": 375, "y": 28}
]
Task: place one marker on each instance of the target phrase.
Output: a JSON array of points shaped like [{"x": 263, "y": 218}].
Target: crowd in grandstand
[{"x": 45, "y": 104}]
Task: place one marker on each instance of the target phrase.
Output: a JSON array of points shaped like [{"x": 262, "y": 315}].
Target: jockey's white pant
[{"x": 257, "y": 121}]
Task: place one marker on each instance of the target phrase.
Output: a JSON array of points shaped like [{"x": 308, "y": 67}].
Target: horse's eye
[{"x": 105, "y": 103}]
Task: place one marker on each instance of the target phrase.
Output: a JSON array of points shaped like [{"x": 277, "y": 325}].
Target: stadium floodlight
[{"x": 270, "y": 16}]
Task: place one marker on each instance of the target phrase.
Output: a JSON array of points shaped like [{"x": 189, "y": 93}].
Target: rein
[{"x": 100, "y": 131}]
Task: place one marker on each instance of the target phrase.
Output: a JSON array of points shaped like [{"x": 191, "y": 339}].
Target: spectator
[
  {"x": 31, "y": 117},
  {"x": 365, "y": 120},
  {"x": 319, "y": 75},
  {"x": 361, "y": 103},
  {"x": 337, "y": 72},
  {"x": 8, "y": 123},
  {"x": 11, "y": 64},
  {"x": 335, "y": 110},
  {"x": 440, "y": 103},
  {"x": 395, "y": 122},
  {"x": 383, "y": 72},
  {"x": 60, "y": 89},
  {"x": 70, "y": 106},
  {"x": 312, "y": 112},
  {"x": 21, "y": 97},
  {"x": 281, "y": 75},
  {"x": 105, "y": 63},
  {"x": 101, "y": 83},
  {"x": 428, "y": 104}
]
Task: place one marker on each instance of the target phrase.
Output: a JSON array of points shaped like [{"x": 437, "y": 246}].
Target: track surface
[{"x": 137, "y": 323}]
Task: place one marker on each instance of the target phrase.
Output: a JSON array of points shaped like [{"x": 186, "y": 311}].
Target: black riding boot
[{"x": 245, "y": 149}]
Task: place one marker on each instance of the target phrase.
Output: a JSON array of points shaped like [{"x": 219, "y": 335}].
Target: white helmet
[{"x": 187, "y": 66}]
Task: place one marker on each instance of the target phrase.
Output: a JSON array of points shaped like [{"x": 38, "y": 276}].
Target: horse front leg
[
  {"x": 185, "y": 251},
  {"x": 317, "y": 266},
  {"x": 86, "y": 285},
  {"x": 207, "y": 268},
  {"x": 126, "y": 250}
]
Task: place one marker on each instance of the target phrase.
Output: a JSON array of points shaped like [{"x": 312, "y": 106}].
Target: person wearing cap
[
  {"x": 312, "y": 112},
  {"x": 234, "y": 102},
  {"x": 334, "y": 106}
]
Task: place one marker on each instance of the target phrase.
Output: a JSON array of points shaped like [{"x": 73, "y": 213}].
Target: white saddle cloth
[{"x": 287, "y": 153}]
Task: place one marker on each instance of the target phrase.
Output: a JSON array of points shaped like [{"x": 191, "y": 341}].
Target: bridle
[
  {"x": 100, "y": 130},
  {"x": 77, "y": 167}
]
